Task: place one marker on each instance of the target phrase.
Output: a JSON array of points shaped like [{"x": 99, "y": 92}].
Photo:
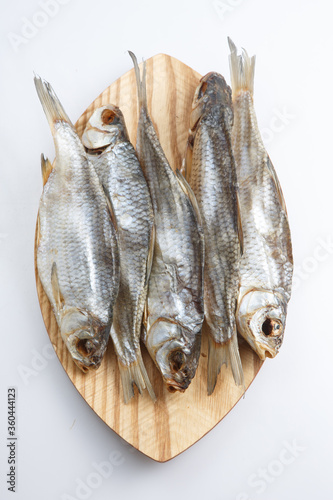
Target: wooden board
[{"x": 176, "y": 421}]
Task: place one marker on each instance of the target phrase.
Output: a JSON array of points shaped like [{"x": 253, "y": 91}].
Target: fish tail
[
  {"x": 51, "y": 105},
  {"x": 135, "y": 374},
  {"x": 241, "y": 70},
  {"x": 220, "y": 354},
  {"x": 141, "y": 84}
]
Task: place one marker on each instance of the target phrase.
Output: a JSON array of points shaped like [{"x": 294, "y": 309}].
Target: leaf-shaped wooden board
[{"x": 176, "y": 421}]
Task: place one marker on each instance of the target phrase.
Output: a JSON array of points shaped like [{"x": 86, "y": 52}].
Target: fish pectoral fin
[
  {"x": 272, "y": 172},
  {"x": 189, "y": 192},
  {"x": 58, "y": 297},
  {"x": 46, "y": 168},
  {"x": 239, "y": 225}
]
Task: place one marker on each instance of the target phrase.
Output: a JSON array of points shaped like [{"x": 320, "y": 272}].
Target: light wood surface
[{"x": 176, "y": 421}]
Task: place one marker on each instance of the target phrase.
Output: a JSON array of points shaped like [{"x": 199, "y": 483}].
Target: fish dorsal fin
[
  {"x": 187, "y": 161},
  {"x": 144, "y": 323},
  {"x": 272, "y": 172},
  {"x": 46, "y": 168},
  {"x": 141, "y": 322},
  {"x": 110, "y": 208},
  {"x": 239, "y": 225},
  {"x": 189, "y": 192},
  {"x": 150, "y": 252},
  {"x": 58, "y": 297},
  {"x": 183, "y": 168}
]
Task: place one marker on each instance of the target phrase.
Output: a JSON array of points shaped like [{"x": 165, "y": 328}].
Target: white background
[{"x": 81, "y": 50}]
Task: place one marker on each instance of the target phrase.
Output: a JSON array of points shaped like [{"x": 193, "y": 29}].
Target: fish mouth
[
  {"x": 269, "y": 346},
  {"x": 261, "y": 320},
  {"x": 265, "y": 351},
  {"x": 179, "y": 381},
  {"x": 86, "y": 354},
  {"x": 174, "y": 386},
  {"x": 263, "y": 347},
  {"x": 88, "y": 364}
]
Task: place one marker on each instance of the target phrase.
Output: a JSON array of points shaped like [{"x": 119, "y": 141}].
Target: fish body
[
  {"x": 174, "y": 310},
  {"x": 77, "y": 251},
  {"x": 211, "y": 168},
  {"x": 120, "y": 173},
  {"x": 266, "y": 265}
]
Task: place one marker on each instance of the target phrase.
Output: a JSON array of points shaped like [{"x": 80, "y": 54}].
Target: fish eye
[
  {"x": 85, "y": 347},
  {"x": 269, "y": 326},
  {"x": 177, "y": 360},
  {"x": 202, "y": 89},
  {"x": 108, "y": 116}
]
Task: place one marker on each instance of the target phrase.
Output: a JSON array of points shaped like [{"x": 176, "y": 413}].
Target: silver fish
[
  {"x": 174, "y": 310},
  {"x": 267, "y": 263},
  {"x": 118, "y": 168},
  {"x": 211, "y": 167},
  {"x": 77, "y": 252}
]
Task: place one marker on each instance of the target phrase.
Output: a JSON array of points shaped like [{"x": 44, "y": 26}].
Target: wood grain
[{"x": 176, "y": 421}]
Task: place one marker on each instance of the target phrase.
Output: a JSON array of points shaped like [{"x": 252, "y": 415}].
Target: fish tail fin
[
  {"x": 135, "y": 374},
  {"x": 51, "y": 105},
  {"x": 241, "y": 70},
  {"x": 220, "y": 354},
  {"x": 141, "y": 83}
]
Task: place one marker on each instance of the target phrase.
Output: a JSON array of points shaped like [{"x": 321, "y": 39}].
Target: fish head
[
  {"x": 261, "y": 320},
  {"x": 211, "y": 98},
  {"x": 175, "y": 355},
  {"x": 85, "y": 337},
  {"x": 105, "y": 126}
]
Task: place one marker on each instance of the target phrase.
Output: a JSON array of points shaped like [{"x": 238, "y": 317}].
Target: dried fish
[
  {"x": 77, "y": 251},
  {"x": 174, "y": 310},
  {"x": 267, "y": 263},
  {"x": 211, "y": 170},
  {"x": 118, "y": 168}
]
